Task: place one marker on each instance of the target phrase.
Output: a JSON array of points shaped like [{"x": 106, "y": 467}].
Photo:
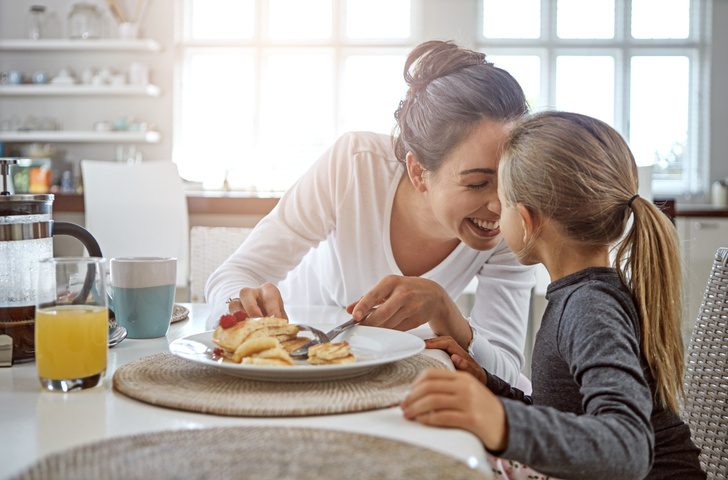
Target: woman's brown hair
[
  {"x": 451, "y": 89},
  {"x": 579, "y": 172}
]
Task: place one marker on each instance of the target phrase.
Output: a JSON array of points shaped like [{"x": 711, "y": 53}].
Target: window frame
[
  {"x": 623, "y": 47},
  {"x": 261, "y": 46}
]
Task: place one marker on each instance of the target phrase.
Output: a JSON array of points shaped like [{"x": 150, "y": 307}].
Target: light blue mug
[{"x": 142, "y": 294}]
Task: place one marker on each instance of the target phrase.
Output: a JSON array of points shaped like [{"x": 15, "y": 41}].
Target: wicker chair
[
  {"x": 209, "y": 248},
  {"x": 706, "y": 375}
]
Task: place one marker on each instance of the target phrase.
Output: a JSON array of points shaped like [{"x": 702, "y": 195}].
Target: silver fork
[{"x": 321, "y": 337}]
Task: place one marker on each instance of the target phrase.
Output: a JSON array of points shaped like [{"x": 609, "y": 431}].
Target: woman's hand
[
  {"x": 459, "y": 356},
  {"x": 265, "y": 301},
  {"x": 441, "y": 398},
  {"x": 405, "y": 303}
]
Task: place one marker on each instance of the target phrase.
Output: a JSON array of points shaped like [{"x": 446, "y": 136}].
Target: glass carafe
[{"x": 26, "y": 231}]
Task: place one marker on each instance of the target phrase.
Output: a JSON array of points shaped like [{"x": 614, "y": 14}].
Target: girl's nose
[{"x": 494, "y": 205}]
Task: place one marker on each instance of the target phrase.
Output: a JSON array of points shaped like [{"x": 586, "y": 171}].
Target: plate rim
[{"x": 300, "y": 372}]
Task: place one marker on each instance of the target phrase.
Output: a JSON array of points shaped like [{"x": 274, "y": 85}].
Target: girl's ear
[
  {"x": 416, "y": 172},
  {"x": 529, "y": 222}
]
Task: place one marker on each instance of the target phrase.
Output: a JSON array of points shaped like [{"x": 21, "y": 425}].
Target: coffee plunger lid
[{"x": 23, "y": 204}]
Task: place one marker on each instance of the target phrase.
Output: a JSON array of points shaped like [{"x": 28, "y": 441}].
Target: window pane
[
  {"x": 512, "y": 19},
  {"x": 580, "y": 19},
  {"x": 217, "y": 122},
  {"x": 296, "y": 116},
  {"x": 378, "y": 18},
  {"x": 660, "y": 18},
  {"x": 300, "y": 19},
  {"x": 659, "y": 113},
  {"x": 527, "y": 70},
  {"x": 222, "y": 19},
  {"x": 371, "y": 90},
  {"x": 585, "y": 84}
]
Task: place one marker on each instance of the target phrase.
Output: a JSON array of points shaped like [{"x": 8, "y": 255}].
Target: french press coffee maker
[{"x": 26, "y": 236}]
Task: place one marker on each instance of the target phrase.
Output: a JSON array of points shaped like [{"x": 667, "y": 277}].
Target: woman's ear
[
  {"x": 416, "y": 172},
  {"x": 529, "y": 222}
]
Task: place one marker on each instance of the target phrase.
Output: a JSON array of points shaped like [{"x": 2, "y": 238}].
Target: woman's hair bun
[{"x": 435, "y": 59}]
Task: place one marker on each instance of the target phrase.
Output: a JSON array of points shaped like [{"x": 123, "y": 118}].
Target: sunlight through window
[
  {"x": 378, "y": 18},
  {"x": 659, "y": 112},
  {"x": 512, "y": 19},
  {"x": 301, "y": 19},
  {"x": 660, "y": 18},
  {"x": 580, "y": 19}
]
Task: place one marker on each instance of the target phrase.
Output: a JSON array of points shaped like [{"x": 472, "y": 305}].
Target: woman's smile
[{"x": 483, "y": 227}]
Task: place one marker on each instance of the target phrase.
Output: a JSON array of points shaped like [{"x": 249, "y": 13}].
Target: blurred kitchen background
[{"x": 243, "y": 95}]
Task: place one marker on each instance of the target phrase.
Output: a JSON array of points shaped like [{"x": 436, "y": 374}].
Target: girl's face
[{"x": 463, "y": 192}]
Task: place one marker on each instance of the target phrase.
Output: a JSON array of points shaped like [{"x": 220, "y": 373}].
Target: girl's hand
[
  {"x": 265, "y": 301},
  {"x": 459, "y": 356},
  {"x": 441, "y": 398},
  {"x": 408, "y": 302}
]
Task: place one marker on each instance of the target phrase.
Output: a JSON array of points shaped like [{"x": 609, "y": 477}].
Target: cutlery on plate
[
  {"x": 302, "y": 352},
  {"x": 321, "y": 337}
]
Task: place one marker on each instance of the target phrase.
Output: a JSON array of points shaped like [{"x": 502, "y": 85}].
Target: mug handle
[{"x": 80, "y": 233}]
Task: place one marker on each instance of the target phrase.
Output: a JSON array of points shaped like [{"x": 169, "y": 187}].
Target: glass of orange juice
[{"x": 71, "y": 323}]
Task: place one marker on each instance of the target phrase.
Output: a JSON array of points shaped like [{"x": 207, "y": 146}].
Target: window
[
  {"x": 265, "y": 86},
  {"x": 636, "y": 64}
]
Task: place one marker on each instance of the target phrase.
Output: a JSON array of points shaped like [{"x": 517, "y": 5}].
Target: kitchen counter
[
  {"x": 198, "y": 203},
  {"x": 216, "y": 202}
]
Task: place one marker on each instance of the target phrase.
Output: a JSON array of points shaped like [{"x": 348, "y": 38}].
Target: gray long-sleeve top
[{"x": 592, "y": 414}]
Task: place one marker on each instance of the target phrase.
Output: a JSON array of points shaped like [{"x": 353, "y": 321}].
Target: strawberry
[
  {"x": 227, "y": 321},
  {"x": 240, "y": 315}
]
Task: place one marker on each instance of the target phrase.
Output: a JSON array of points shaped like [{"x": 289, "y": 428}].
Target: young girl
[{"x": 608, "y": 359}]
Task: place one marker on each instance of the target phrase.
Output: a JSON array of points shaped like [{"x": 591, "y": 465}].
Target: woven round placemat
[
  {"x": 250, "y": 452},
  {"x": 169, "y": 381}
]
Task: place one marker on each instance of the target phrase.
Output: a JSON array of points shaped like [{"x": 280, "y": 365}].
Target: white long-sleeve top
[{"x": 327, "y": 242}]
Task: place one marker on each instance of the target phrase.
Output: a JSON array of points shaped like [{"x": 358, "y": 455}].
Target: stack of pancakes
[
  {"x": 259, "y": 341},
  {"x": 269, "y": 341}
]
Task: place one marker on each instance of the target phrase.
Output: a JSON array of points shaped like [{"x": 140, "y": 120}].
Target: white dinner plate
[{"x": 371, "y": 346}]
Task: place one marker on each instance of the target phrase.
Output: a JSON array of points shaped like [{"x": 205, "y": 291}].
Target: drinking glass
[{"x": 71, "y": 323}]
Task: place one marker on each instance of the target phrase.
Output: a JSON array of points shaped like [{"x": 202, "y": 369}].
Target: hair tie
[{"x": 629, "y": 204}]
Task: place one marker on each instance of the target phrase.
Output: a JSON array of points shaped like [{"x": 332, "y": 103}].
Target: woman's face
[{"x": 463, "y": 192}]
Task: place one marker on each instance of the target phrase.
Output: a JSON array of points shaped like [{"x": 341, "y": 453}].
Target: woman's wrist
[{"x": 454, "y": 324}]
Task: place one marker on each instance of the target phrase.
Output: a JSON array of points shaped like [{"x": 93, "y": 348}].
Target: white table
[{"x": 35, "y": 423}]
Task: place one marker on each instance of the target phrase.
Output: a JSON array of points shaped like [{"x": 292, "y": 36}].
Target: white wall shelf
[
  {"x": 102, "y": 45},
  {"x": 79, "y": 90},
  {"x": 80, "y": 136}
]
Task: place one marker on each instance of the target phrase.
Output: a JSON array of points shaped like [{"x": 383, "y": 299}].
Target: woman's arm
[{"x": 302, "y": 219}]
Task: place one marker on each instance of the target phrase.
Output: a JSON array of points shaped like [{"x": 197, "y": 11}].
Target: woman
[{"x": 402, "y": 223}]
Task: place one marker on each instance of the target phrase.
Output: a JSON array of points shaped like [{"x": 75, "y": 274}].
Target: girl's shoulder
[{"x": 598, "y": 302}]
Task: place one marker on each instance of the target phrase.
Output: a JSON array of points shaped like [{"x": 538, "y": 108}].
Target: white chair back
[
  {"x": 209, "y": 248},
  {"x": 138, "y": 210},
  {"x": 706, "y": 375}
]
